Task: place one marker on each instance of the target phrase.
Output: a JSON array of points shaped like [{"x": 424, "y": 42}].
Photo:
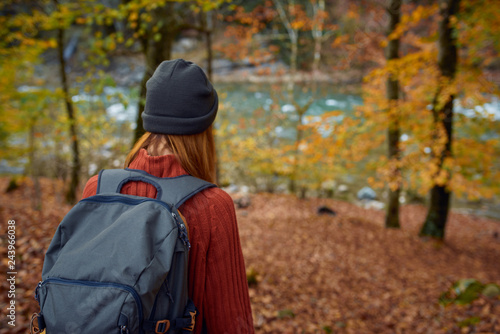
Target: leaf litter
[{"x": 311, "y": 273}]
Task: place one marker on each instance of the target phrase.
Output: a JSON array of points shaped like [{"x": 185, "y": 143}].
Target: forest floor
[{"x": 310, "y": 273}]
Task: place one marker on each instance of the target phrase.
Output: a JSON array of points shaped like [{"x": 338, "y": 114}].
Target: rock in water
[
  {"x": 342, "y": 188},
  {"x": 243, "y": 202},
  {"x": 324, "y": 210},
  {"x": 368, "y": 204},
  {"x": 367, "y": 193}
]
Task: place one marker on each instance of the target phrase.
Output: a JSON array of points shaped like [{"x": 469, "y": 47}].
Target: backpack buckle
[
  {"x": 193, "y": 318},
  {"x": 39, "y": 327},
  {"x": 165, "y": 325}
]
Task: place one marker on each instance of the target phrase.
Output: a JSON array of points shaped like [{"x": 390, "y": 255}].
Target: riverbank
[{"x": 127, "y": 69}]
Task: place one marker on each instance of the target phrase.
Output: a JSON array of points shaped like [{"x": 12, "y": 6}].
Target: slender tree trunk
[
  {"x": 294, "y": 50},
  {"x": 291, "y": 99},
  {"x": 76, "y": 166},
  {"x": 392, "y": 213},
  {"x": 293, "y": 36},
  {"x": 317, "y": 54},
  {"x": 156, "y": 51},
  {"x": 36, "y": 198},
  {"x": 139, "y": 129},
  {"x": 206, "y": 25},
  {"x": 437, "y": 215},
  {"x": 294, "y": 43},
  {"x": 296, "y": 154},
  {"x": 292, "y": 186},
  {"x": 317, "y": 32}
]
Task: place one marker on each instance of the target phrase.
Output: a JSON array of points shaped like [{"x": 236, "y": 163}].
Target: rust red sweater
[{"x": 217, "y": 279}]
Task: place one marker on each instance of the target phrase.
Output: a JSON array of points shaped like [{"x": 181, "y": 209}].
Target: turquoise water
[
  {"x": 241, "y": 101},
  {"x": 248, "y": 97},
  {"x": 244, "y": 98}
]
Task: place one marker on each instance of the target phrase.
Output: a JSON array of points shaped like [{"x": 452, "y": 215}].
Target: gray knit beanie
[{"x": 180, "y": 100}]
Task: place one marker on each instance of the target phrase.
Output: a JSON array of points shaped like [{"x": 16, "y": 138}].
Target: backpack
[{"x": 119, "y": 263}]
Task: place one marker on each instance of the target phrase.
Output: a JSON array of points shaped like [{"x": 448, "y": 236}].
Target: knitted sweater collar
[{"x": 160, "y": 166}]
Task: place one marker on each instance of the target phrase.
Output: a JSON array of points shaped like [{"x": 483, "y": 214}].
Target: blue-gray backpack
[{"x": 119, "y": 263}]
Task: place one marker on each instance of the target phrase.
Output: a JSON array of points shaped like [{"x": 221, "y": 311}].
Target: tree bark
[
  {"x": 440, "y": 195},
  {"x": 293, "y": 61},
  {"x": 317, "y": 32},
  {"x": 76, "y": 166},
  {"x": 293, "y": 36},
  {"x": 393, "y": 133},
  {"x": 301, "y": 110},
  {"x": 156, "y": 51},
  {"x": 36, "y": 198},
  {"x": 296, "y": 154},
  {"x": 294, "y": 42},
  {"x": 207, "y": 28},
  {"x": 206, "y": 25}
]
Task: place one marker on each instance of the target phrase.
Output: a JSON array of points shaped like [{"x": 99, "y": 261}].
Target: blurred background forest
[{"x": 377, "y": 113}]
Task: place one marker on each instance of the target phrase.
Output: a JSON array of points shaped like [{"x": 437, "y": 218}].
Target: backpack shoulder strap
[{"x": 172, "y": 190}]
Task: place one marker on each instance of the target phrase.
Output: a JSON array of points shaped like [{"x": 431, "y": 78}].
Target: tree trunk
[
  {"x": 206, "y": 22},
  {"x": 294, "y": 41},
  {"x": 294, "y": 50},
  {"x": 36, "y": 198},
  {"x": 76, "y": 166},
  {"x": 156, "y": 51},
  {"x": 293, "y": 36},
  {"x": 139, "y": 129},
  {"x": 392, "y": 213},
  {"x": 300, "y": 111},
  {"x": 437, "y": 215},
  {"x": 317, "y": 32},
  {"x": 292, "y": 186},
  {"x": 296, "y": 154},
  {"x": 206, "y": 25}
]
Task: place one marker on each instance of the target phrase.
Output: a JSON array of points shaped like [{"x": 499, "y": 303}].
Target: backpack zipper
[
  {"x": 182, "y": 230},
  {"x": 124, "y": 200},
  {"x": 127, "y": 288},
  {"x": 132, "y": 201}
]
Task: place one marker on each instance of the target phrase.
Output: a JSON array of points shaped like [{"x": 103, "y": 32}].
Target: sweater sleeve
[
  {"x": 228, "y": 310},
  {"x": 90, "y": 188}
]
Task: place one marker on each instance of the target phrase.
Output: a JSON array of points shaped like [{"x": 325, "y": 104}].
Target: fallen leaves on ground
[
  {"x": 310, "y": 273},
  {"x": 348, "y": 274}
]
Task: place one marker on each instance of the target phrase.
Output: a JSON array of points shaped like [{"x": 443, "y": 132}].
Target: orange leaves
[
  {"x": 422, "y": 89},
  {"x": 81, "y": 20},
  {"x": 299, "y": 19},
  {"x": 339, "y": 40},
  {"x": 256, "y": 18},
  {"x": 237, "y": 38},
  {"x": 249, "y": 155},
  {"x": 414, "y": 18},
  {"x": 473, "y": 167},
  {"x": 241, "y": 41},
  {"x": 350, "y": 275},
  {"x": 134, "y": 16},
  {"x": 353, "y": 12},
  {"x": 478, "y": 27},
  {"x": 34, "y": 231},
  {"x": 298, "y": 24}
]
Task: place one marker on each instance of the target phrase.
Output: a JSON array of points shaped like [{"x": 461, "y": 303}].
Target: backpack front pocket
[{"x": 78, "y": 306}]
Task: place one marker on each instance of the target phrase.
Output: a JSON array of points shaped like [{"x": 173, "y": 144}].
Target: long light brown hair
[{"x": 196, "y": 153}]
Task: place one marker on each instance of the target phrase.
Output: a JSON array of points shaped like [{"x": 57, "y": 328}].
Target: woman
[{"x": 181, "y": 105}]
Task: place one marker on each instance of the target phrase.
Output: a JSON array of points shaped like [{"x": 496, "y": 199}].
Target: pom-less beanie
[{"x": 180, "y": 100}]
